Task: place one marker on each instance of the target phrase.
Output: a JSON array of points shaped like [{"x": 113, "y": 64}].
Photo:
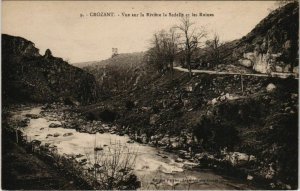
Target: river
[{"x": 153, "y": 165}]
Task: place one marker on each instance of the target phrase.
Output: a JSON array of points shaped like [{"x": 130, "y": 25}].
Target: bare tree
[
  {"x": 172, "y": 48},
  {"x": 164, "y": 49},
  {"x": 157, "y": 52},
  {"x": 112, "y": 167},
  {"x": 214, "y": 49},
  {"x": 192, "y": 37}
]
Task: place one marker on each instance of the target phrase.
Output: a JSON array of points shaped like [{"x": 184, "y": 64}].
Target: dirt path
[{"x": 273, "y": 74}]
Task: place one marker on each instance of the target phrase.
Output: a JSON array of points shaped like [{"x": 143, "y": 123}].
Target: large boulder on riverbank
[{"x": 54, "y": 125}]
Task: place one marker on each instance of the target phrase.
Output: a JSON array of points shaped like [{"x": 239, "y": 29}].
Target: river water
[{"x": 152, "y": 164}]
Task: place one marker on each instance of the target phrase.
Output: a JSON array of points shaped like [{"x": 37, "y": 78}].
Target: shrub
[
  {"x": 129, "y": 105},
  {"x": 112, "y": 167},
  {"x": 216, "y": 135}
]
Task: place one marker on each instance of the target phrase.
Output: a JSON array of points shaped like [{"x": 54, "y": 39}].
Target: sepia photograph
[{"x": 149, "y": 95}]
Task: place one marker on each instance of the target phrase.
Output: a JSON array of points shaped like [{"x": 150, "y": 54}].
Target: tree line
[{"x": 182, "y": 42}]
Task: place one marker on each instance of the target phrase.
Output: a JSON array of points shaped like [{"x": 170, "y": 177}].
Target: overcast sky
[{"x": 59, "y": 27}]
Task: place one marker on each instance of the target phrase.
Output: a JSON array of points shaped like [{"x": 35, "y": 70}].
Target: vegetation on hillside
[
  {"x": 28, "y": 76},
  {"x": 232, "y": 123},
  {"x": 211, "y": 115}
]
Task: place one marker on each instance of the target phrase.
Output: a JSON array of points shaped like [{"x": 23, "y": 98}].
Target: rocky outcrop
[
  {"x": 30, "y": 77},
  {"x": 266, "y": 63},
  {"x": 273, "y": 44},
  {"x": 48, "y": 54}
]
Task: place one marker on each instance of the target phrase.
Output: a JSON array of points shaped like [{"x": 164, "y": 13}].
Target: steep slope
[
  {"x": 218, "y": 118},
  {"x": 271, "y": 46},
  {"x": 210, "y": 113},
  {"x": 28, "y": 76},
  {"x": 121, "y": 72}
]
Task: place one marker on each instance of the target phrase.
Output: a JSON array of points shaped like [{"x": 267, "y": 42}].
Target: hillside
[
  {"x": 210, "y": 113},
  {"x": 84, "y": 64},
  {"x": 271, "y": 46},
  {"x": 124, "y": 60},
  {"x": 213, "y": 119},
  {"x": 28, "y": 76},
  {"x": 121, "y": 72},
  {"x": 235, "y": 125}
]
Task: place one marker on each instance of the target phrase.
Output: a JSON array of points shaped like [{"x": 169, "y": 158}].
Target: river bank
[
  {"x": 25, "y": 170},
  {"x": 190, "y": 125},
  {"x": 155, "y": 167},
  {"x": 246, "y": 126}
]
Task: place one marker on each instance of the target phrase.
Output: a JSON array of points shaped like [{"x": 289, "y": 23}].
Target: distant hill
[
  {"x": 84, "y": 64},
  {"x": 28, "y": 76},
  {"x": 123, "y": 60},
  {"x": 119, "y": 72}
]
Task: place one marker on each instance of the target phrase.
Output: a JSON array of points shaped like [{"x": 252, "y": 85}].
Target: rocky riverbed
[{"x": 56, "y": 128}]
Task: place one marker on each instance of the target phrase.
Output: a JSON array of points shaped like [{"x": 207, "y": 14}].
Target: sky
[{"x": 57, "y": 25}]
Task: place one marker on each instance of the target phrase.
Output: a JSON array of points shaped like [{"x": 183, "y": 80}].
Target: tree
[
  {"x": 164, "y": 49},
  {"x": 214, "y": 49},
  {"x": 157, "y": 51},
  {"x": 171, "y": 42},
  {"x": 204, "y": 132},
  {"x": 215, "y": 135},
  {"x": 112, "y": 167},
  {"x": 191, "y": 41}
]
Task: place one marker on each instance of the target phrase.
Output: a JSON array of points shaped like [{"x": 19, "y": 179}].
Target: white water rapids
[{"x": 151, "y": 163}]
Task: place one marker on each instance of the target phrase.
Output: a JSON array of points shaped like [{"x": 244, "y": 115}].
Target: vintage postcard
[{"x": 149, "y": 95}]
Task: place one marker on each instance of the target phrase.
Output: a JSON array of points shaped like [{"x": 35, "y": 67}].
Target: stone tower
[{"x": 114, "y": 52}]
